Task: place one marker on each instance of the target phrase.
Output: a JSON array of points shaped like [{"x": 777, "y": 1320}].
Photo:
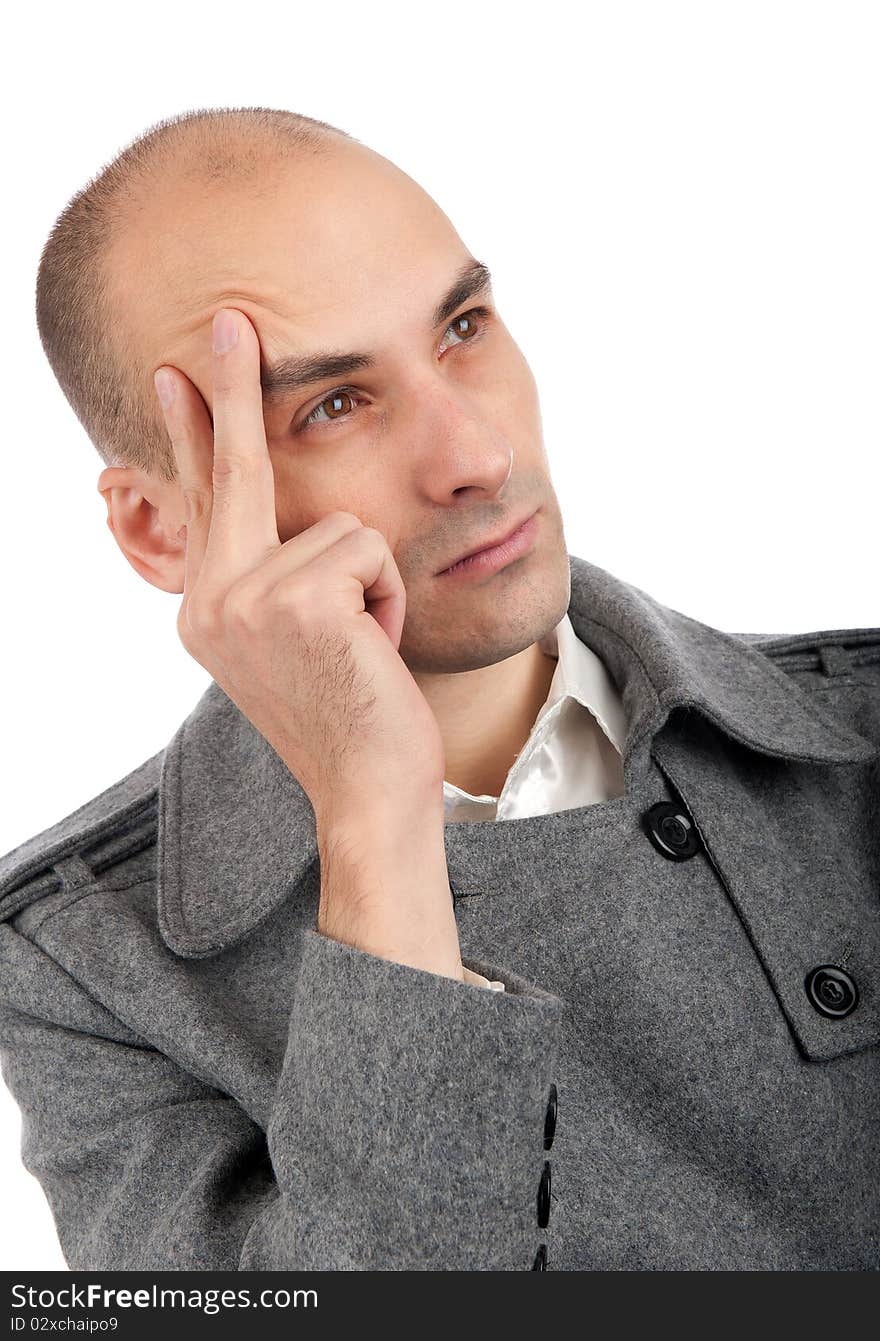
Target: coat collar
[{"x": 236, "y": 830}]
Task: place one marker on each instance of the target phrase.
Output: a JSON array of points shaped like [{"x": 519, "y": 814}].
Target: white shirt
[{"x": 565, "y": 762}]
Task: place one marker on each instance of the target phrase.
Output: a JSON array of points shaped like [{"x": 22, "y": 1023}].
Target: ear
[{"x": 145, "y": 516}]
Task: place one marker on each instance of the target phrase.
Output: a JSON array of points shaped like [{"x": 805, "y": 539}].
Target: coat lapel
[{"x": 237, "y": 831}]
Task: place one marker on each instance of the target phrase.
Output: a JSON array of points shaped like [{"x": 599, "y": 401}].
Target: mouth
[{"x": 498, "y": 552}]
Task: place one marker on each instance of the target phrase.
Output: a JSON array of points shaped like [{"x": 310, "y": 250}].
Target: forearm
[{"x": 385, "y": 885}]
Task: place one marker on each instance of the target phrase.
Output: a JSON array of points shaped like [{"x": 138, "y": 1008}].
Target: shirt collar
[
  {"x": 579, "y": 675},
  {"x": 236, "y": 829},
  {"x": 582, "y": 675}
]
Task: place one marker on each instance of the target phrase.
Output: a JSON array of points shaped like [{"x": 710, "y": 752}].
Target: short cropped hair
[{"x": 105, "y": 381}]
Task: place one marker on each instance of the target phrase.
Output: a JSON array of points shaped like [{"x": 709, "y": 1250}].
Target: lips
[{"x": 489, "y": 544}]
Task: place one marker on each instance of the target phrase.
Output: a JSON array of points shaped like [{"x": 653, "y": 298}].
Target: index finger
[
  {"x": 188, "y": 424},
  {"x": 244, "y": 527}
]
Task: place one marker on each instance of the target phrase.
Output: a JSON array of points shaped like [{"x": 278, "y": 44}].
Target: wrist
[
  {"x": 385, "y": 886},
  {"x": 385, "y": 817}
]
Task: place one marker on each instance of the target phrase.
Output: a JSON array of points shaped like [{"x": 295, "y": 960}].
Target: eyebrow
[{"x": 296, "y": 371}]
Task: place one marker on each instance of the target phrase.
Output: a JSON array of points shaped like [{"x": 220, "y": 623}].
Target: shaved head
[{"x": 338, "y": 235}]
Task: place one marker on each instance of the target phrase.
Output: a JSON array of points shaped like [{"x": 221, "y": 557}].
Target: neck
[{"x": 486, "y": 716}]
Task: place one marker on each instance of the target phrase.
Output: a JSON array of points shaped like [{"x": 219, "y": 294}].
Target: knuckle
[
  {"x": 230, "y": 470},
  {"x": 345, "y": 520},
  {"x": 240, "y": 610},
  {"x": 369, "y": 536},
  {"x": 299, "y": 595},
  {"x": 202, "y": 618},
  {"x": 194, "y": 503},
  {"x": 183, "y": 628},
  {"x": 226, "y": 378}
]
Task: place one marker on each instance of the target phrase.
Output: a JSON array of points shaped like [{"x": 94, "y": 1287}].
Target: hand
[{"x": 302, "y": 636}]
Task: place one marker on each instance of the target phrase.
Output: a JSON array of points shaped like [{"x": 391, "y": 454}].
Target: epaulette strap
[
  {"x": 836, "y": 660},
  {"x": 117, "y": 823},
  {"x": 846, "y": 648}
]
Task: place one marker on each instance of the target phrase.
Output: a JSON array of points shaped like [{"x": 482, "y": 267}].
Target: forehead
[{"x": 311, "y": 247}]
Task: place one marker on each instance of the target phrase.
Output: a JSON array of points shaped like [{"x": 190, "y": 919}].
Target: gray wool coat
[{"x": 682, "y": 1072}]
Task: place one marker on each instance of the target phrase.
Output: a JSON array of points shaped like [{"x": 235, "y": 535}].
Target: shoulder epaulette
[
  {"x": 117, "y": 823},
  {"x": 821, "y": 650}
]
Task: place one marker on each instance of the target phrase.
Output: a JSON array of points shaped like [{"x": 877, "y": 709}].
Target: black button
[
  {"x": 831, "y": 991},
  {"x": 544, "y": 1197},
  {"x": 540, "y": 1262},
  {"x": 550, "y": 1119},
  {"x": 671, "y": 830}
]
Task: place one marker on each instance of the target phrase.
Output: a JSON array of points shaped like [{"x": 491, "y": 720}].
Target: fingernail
[
  {"x": 225, "y": 331},
  {"x": 164, "y": 386}
]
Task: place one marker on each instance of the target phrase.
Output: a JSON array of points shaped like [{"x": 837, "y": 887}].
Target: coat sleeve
[{"x": 405, "y": 1131}]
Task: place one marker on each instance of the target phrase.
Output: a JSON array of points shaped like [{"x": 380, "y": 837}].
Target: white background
[{"x": 679, "y": 204}]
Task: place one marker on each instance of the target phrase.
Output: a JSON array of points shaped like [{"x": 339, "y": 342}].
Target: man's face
[{"x": 438, "y": 445}]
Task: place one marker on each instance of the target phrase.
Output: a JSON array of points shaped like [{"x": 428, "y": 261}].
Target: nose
[{"x": 467, "y": 454}]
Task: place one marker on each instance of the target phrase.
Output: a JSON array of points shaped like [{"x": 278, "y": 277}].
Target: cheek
[
  {"x": 513, "y": 390},
  {"x": 300, "y": 503},
  {"x": 297, "y": 506},
  {"x": 524, "y": 388},
  {"x": 304, "y": 493}
]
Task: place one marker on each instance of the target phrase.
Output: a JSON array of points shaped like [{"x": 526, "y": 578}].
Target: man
[{"x": 454, "y": 865}]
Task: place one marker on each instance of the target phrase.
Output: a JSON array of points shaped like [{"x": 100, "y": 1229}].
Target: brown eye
[
  {"x": 335, "y": 406},
  {"x": 470, "y": 326},
  {"x": 464, "y": 325}
]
